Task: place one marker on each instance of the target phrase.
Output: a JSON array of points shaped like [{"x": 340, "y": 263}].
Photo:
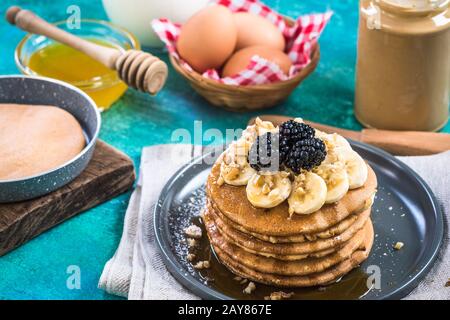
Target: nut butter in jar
[{"x": 403, "y": 64}]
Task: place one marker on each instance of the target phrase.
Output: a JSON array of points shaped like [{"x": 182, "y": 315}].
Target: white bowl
[{"x": 136, "y": 15}]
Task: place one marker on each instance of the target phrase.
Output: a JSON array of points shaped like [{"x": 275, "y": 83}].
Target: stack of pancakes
[{"x": 265, "y": 246}]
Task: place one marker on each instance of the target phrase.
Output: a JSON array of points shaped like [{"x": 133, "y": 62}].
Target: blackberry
[
  {"x": 285, "y": 147},
  {"x": 293, "y": 131},
  {"x": 290, "y": 132},
  {"x": 305, "y": 154},
  {"x": 264, "y": 153}
]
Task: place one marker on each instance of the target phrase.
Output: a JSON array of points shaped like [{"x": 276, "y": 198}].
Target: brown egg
[
  {"x": 208, "y": 38},
  {"x": 240, "y": 60},
  {"x": 254, "y": 30}
]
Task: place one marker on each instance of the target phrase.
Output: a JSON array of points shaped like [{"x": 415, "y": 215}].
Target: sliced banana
[
  {"x": 336, "y": 180},
  {"x": 264, "y": 126},
  {"x": 309, "y": 193},
  {"x": 320, "y": 134},
  {"x": 234, "y": 175},
  {"x": 235, "y": 169},
  {"x": 260, "y": 127},
  {"x": 250, "y": 134},
  {"x": 355, "y": 166},
  {"x": 333, "y": 141},
  {"x": 268, "y": 191}
]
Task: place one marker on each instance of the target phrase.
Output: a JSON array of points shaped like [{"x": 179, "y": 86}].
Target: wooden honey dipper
[{"x": 136, "y": 68}]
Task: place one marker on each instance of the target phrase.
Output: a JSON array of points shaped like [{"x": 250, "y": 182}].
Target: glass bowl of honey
[{"x": 40, "y": 56}]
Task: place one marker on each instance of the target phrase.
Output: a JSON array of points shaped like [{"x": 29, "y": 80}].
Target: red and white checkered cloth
[{"x": 300, "y": 38}]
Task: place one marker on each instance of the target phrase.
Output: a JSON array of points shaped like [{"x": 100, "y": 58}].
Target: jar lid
[
  {"x": 406, "y": 16},
  {"x": 413, "y": 6}
]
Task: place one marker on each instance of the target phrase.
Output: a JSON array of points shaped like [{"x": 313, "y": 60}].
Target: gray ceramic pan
[
  {"x": 44, "y": 91},
  {"x": 405, "y": 210}
]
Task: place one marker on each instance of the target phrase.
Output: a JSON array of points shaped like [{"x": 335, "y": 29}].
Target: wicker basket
[{"x": 245, "y": 98}]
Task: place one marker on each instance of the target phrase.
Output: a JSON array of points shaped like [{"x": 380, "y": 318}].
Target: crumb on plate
[
  {"x": 202, "y": 265},
  {"x": 190, "y": 257},
  {"x": 193, "y": 231},
  {"x": 279, "y": 295},
  {"x": 398, "y": 245},
  {"x": 250, "y": 288}
]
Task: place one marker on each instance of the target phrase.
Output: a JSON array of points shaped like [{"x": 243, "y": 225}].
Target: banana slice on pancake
[
  {"x": 336, "y": 180},
  {"x": 235, "y": 169},
  {"x": 355, "y": 166},
  {"x": 236, "y": 175},
  {"x": 259, "y": 128},
  {"x": 268, "y": 191},
  {"x": 333, "y": 141},
  {"x": 309, "y": 193},
  {"x": 264, "y": 126},
  {"x": 250, "y": 134},
  {"x": 339, "y": 150}
]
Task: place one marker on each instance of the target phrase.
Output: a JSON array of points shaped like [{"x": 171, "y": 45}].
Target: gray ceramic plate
[
  {"x": 404, "y": 210},
  {"x": 44, "y": 91}
]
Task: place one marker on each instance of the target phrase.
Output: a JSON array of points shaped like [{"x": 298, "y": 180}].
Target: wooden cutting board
[{"x": 109, "y": 173}]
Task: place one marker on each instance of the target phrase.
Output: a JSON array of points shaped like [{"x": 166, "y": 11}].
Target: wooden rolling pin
[
  {"x": 138, "y": 69},
  {"x": 403, "y": 143}
]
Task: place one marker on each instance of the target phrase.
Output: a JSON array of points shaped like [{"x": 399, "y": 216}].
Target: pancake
[
  {"x": 269, "y": 249},
  {"x": 325, "y": 277},
  {"x": 275, "y": 266},
  {"x": 333, "y": 231},
  {"x": 35, "y": 139},
  {"x": 232, "y": 202}
]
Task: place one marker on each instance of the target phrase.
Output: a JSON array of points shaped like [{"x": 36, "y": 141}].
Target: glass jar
[
  {"x": 40, "y": 56},
  {"x": 403, "y": 64}
]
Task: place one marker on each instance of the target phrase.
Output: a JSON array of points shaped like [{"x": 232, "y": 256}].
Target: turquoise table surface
[{"x": 38, "y": 269}]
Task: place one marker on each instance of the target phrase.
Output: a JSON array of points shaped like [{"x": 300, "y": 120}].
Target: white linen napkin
[{"x": 136, "y": 271}]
